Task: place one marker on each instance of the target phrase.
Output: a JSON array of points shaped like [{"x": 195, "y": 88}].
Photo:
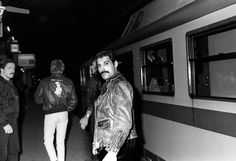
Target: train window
[
  {"x": 157, "y": 69},
  {"x": 212, "y": 62}
]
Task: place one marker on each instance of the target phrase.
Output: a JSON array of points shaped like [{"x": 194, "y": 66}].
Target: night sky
[{"x": 71, "y": 30}]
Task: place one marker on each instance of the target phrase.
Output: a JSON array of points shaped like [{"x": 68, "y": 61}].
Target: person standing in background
[
  {"x": 94, "y": 86},
  {"x": 9, "y": 111},
  {"x": 58, "y": 96}
]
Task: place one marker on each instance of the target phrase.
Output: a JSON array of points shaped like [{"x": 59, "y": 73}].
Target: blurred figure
[
  {"x": 155, "y": 77},
  {"x": 114, "y": 120},
  {"x": 20, "y": 85},
  {"x": 58, "y": 96},
  {"x": 9, "y": 110},
  {"x": 94, "y": 86}
]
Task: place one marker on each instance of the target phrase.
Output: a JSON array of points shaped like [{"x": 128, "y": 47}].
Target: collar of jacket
[
  {"x": 9, "y": 83},
  {"x": 4, "y": 80},
  {"x": 56, "y": 74},
  {"x": 116, "y": 74},
  {"x": 104, "y": 86}
]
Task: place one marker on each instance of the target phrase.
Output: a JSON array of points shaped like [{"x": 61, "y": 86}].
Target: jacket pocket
[{"x": 104, "y": 123}]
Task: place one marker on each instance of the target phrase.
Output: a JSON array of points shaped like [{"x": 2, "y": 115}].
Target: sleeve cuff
[{"x": 112, "y": 150}]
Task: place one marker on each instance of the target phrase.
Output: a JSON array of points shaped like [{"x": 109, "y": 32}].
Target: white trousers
[{"x": 56, "y": 122}]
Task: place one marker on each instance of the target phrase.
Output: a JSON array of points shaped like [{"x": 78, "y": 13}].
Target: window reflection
[{"x": 158, "y": 69}]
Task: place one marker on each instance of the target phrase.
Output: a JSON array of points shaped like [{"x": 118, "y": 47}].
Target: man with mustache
[
  {"x": 114, "y": 122},
  {"x": 9, "y": 110}
]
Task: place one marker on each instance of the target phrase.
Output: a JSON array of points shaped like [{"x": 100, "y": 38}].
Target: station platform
[{"x": 78, "y": 142}]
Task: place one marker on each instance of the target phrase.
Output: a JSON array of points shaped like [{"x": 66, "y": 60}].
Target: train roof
[{"x": 161, "y": 15}]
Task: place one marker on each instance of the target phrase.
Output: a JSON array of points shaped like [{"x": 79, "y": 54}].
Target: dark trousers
[
  {"x": 92, "y": 123},
  {"x": 9, "y": 144},
  {"x": 126, "y": 152}
]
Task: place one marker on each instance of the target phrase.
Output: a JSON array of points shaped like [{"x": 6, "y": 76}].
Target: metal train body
[{"x": 192, "y": 117}]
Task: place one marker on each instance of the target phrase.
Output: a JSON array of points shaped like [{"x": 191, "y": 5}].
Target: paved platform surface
[{"x": 78, "y": 142}]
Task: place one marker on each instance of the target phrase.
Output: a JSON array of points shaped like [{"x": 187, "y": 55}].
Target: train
[{"x": 180, "y": 57}]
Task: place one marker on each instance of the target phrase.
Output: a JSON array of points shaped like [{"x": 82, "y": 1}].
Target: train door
[{"x": 126, "y": 66}]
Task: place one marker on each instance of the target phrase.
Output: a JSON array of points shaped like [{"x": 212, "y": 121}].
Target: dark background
[{"x": 72, "y": 30}]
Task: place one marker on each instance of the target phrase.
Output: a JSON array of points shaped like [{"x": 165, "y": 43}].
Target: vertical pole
[{"x": 1, "y": 12}]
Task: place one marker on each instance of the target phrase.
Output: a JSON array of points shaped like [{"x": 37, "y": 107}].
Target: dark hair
[
  {"x": 108, "y": 53},
  {"x": 57, "y": 66},
  {"x": 5, "y": 61}
]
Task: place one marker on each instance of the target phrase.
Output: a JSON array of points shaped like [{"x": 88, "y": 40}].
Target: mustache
[{"x": 104, "y": 72}]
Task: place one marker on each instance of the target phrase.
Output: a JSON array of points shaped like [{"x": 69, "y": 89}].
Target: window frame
[
  {"x": 216, "y": 28},
  {"x": 168, "y": 64}
]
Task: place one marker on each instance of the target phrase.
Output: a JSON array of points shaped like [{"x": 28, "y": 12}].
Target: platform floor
[{"x": 78, "y": 142}]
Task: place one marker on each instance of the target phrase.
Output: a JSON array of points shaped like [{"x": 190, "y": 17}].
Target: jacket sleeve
[
  {"x": 38, "y": 95},
  {"x": 7, "y": 111},
  {"x": 72, "y": 100},
  {"x": 122, "y": 99},
  {"x": 2, "y": 105}
]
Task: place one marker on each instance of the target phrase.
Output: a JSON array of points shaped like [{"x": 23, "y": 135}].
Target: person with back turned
[
  {"x": 114, "y": 120},
  {"x": 9, "y": 110},
  {"x": 58, "y": 96}
]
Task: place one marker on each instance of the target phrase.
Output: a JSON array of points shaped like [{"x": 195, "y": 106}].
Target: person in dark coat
[{"x": 9, "y": 111}]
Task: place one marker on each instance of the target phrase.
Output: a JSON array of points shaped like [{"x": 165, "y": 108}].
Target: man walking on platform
[{"x": 58, "y": 96}]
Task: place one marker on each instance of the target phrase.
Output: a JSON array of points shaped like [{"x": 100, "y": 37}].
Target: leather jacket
[
  {"x": 56, "y": 93},
  {"x": 114, "y": 121},
  {"x": 9, "y": 102}
]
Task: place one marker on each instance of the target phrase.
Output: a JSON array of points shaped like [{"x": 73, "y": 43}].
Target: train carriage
[{"x": 181, "y": 58}]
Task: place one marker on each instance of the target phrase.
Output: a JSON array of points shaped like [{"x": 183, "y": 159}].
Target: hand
[
  {"x": 95, "y": 147},
  {"x": 8, "y": 129},
  {"x": 111, "y": 156},
  {"x": 94, "y": 151},
  {"x": 84, "y": 122}
]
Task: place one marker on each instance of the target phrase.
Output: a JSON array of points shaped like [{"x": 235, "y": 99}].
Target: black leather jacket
[
  {"x": 56, "y": 93},
  {"x": 114, "y": 121},
  {"x": 9, "y": 102}
]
